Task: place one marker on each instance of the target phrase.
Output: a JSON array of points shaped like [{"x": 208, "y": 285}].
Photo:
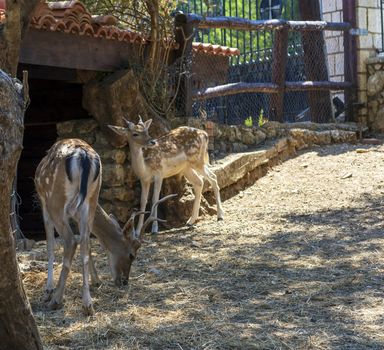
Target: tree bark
[
  {"x": 17, "y": 325},
  {"x": 18, "y": 329},
  {"x": 18, "y": 16}
]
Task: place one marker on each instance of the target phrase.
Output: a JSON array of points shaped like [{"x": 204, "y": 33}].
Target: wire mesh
[{"x": 310, "y": 56}]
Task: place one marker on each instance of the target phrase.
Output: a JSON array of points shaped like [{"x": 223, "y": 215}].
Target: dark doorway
[{"x": 52, "y": 101}]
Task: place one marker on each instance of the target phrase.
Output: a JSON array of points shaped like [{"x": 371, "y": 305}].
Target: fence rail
[
  {"x": 235, "y": 23},
  {"x": 315, "y": 86}
]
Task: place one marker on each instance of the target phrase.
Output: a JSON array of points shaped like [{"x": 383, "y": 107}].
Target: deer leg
[
  {"x": 69, "y": 251},
  {"x": 84, "y": 253},
  {"x": 50, "y": 235},
  {"x": 156, "y": 193},
  {"x": 145, "y": 185},
  {"x": 197, "y": 183},
  {"x": 211, "y": 177},
  {"x": 95, "y": 280}
]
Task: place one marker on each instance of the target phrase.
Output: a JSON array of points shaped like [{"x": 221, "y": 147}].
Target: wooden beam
[
  {"x": 316, "y": 85},
  {"x": 45, "y": 72},
  {"x": 234, "y": 89},
  {"x": 269, "y": 88},
  {"x": 273, "y": 24},
  {"x": 56, "y": 49}
]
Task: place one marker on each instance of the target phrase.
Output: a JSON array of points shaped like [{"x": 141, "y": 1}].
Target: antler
[
  {"x": 151, "y": 217},
  {"x": 130, "y": 224},
  {"x": 140, "y": 120}
]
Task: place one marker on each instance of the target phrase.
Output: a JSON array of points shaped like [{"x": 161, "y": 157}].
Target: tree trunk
[
  {"x": 18, "y": 329},
  {"x": 18, "y": 15},
  {"x": 17, "y": 325}
]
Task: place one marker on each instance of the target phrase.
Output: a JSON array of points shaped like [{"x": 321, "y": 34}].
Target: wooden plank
[
  {"x": 56, "y": 49},
  {"x": 44, "y": 72},
  {"x": 235, "y": 88},
  {"x": 280, "y": 48},
  {"x": 235, "y": 23},
  {"x": 316, "y": 85}
]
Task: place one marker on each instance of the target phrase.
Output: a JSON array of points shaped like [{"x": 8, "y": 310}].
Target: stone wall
[
  {"x": 334, "y": 40},
  {"x": 375, "y": 93},
  {"x": 368, "y": 17},
  {"x": 120, "y": 190}
]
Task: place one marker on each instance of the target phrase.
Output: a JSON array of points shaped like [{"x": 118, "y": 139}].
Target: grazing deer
[
  {"x": 68, "y": 181},
  {"x": 183, "y": 150}
]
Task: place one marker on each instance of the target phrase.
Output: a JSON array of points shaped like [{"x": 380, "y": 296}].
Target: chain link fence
[{"x": 314, "y": 55}]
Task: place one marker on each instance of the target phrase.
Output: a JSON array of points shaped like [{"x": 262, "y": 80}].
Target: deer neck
[
  {"x": 106, "y": 231},
  {"x": 138, "y": 163}
]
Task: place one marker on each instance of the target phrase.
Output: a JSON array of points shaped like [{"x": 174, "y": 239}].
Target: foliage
[
  {"x": 262, "y": 120},
  {"x": 248, "y": 122},
  {"x": 251, "y": 44},
  {"x": 153, "y": 19}
]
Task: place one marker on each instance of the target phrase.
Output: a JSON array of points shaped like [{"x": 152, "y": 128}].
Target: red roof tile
[
  {"x": 218, "y": 50},
  {"x": 72, "y": 17}
]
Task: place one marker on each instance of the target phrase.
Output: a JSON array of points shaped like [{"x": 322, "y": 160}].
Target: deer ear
[
  {"x": 148, "y": 123},
  {"x": 119, "y": 130}
]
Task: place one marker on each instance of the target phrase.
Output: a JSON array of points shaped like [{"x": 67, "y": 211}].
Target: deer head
[
  {"x": 121, "y": 258},
  {"x": 137, "y": 133}
]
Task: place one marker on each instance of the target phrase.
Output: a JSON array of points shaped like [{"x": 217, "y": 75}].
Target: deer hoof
[
  {"x": 220, "y": 219},
  {"x": 88, "y": 310},
  {"x": 54, "y": 305},
  {"x": 96, "y": 283},
  {"x": 47, "y": 296}
]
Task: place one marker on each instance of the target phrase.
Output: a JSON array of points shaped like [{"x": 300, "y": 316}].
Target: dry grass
[{"x": 297, "y": 264}]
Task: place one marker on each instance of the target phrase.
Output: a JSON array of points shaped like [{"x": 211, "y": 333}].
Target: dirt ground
[{"x": 298, "y": 263}]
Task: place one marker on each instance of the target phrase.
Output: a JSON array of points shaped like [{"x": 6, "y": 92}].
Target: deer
[
  {"x": 68, "y": 181},
  {"x": 182, "y": 151}
]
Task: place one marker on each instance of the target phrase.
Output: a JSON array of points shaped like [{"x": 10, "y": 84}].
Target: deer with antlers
[
  {"x": 183, "y": 150},
  {"x": 68, "y": 181}
]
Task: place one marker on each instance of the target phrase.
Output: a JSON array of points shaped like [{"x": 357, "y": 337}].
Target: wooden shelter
[{"x": 65, "y": 48}]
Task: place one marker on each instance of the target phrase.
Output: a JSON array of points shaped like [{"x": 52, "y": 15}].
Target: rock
[
  {"x": 111, "y": 99},
  {"x": 64, "y": 128},
  {"x": 113, "y": 175},
  {"x": 25, "y": 244},
  {"x": 375, "y": 83},
  {"x": 346, "y": 176},
  {"x": 259, "y": 135},
  {"x": 362, "y": 150},
  {"x": 123, "y": 194},
  {"x": 239, "y": 147},
  {"x": 378, "y": 123},
  {"x": 117, "y": 155},
  {"x": 322, "y": 137},
  {"x": 154, "y": 271},
  {"x": 247, "y": 137},
  {"x": 371, "y": 141},
  {"x": 85, "y": 126}
]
